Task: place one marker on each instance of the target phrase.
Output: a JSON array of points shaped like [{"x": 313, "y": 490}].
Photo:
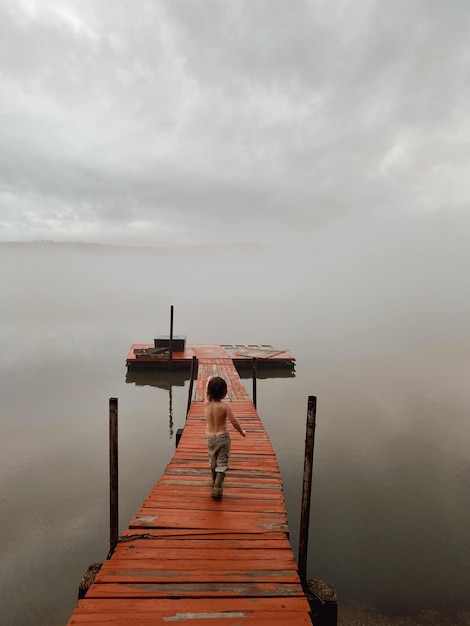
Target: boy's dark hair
[{"x": 216, "y": 389}]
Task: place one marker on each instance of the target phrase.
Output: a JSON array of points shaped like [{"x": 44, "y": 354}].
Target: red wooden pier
[
  {"x": 149, "y": 355},
  {"x": 187, "y": 558}
]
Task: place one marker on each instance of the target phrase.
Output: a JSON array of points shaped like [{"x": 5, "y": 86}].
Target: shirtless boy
[{"x": 217, "y": 437}]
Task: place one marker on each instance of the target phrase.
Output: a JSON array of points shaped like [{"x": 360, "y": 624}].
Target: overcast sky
[{"x": 183, "y": 122}]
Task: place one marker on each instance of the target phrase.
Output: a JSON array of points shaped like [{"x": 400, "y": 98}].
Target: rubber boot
[
  {"x": 213, "y": 476},
  {"x": 218, "y": 485}
]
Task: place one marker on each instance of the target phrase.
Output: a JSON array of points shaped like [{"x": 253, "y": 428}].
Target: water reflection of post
[
  {"x": 170, "y": 399},
  {"x": 170, "y": 368}
]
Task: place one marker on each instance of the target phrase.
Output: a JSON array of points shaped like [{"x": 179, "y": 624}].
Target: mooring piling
[
  {"x": 191, "y": 382},
  {"x": 307, "y": 489},
  {"x": 255, "y": 374},
  {"x": 170, "y": 361},
  {"x": 113, "y": 476}
]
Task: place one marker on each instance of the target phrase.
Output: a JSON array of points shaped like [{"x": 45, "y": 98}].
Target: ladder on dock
[{"x": 187, "y": 558}]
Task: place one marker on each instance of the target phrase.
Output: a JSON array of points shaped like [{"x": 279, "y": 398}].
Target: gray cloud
[{"x": 184, "y": 121}]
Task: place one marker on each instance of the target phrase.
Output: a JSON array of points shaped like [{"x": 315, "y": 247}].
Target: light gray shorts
[{"x": 218, "y": 447}]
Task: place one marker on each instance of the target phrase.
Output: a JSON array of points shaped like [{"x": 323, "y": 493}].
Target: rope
[{"x": 126, "y": 538}]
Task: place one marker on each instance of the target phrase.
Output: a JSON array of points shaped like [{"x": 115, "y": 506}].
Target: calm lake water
[{"x": 386, "y": 352}]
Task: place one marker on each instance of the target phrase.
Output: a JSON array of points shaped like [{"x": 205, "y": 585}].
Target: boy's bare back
[
  {"x": 216, "y": 417},
  {"x": 217, "y": 412}
]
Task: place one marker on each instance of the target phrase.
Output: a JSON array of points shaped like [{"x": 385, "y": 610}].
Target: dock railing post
[
  {"x": 113, "y": 476},
  {"x": 170, "y": 362},
  {"x": 191, "y": 383},
  {"x": 307, "y": 489},
  {"x": 254, "y": 380}
]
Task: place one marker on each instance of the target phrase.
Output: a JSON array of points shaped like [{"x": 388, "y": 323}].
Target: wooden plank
[
  {"x": 236, "y": 618},
  {"x": 135, "y": 573},
  {"x": 225, "y": 560},
  {"x": 254, "y": 618},
  {"x": 195, "y": 605},
  {"x": 231, "y": 491},
  {"x": 232, "y": 503},
  {"x": 199, "y": 553},
  {"x": 194, "y": 590},
  {"x": 173, "y": 519}
]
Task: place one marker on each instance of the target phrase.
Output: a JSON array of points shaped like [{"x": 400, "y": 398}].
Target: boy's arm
[
  {"x": 205, "y": 389},
  {"x": 235, "y": 423}
]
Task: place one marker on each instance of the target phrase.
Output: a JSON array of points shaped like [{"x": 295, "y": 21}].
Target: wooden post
[
  {"x": 171, "y": 338},
  {"x": 191, "y": 383},
  {"x": 254, "y": 381},
  {"x": 179, "y": 434},
  {"x": 113, "y": 476},
  {"x": 321, "y": 596},
  {"x": 307, "y": 489}
]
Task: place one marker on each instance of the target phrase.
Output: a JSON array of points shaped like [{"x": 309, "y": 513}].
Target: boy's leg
[
  {"x": 218, "y": 485},
  {"x": 222, "y": 453},
  {"x": 211, "y": 448},
  {"x": 222, "y": 457}
]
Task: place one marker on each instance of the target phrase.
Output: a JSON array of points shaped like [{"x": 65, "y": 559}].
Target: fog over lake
[
  {"x": 289, "y": 172},
  {"x": 376, "y": 314}
]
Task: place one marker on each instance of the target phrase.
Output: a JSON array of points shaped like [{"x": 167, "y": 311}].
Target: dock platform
[
  {"x": 187, "y": 558},
  {"x": 148, "y": 355}
]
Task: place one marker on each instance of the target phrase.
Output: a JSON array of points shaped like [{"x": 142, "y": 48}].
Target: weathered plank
[{"x": 209, "y": 591}]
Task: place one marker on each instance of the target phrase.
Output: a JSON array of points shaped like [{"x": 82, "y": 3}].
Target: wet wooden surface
[
  {"x": 146, "y": 354},
  {"x": 187, "y": 558}
]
